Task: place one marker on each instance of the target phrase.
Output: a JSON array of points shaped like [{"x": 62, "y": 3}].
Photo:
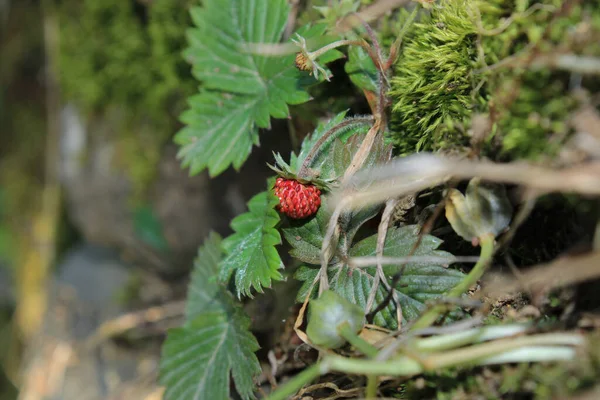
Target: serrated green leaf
[
  {"x": 351, "y": 221},
  {"x": 198, "y": 359},
  {"x": 219, "y": 132},
  {"x": 204, "y": 291},
  {"x": 361, "y": 69},
  {"x": 306, "y": 236},
  {"x": 251, "y": 253},
  {"x": 241, "y": 90},
  {"x": 321, "y": 162},
  {"x": 420, "y": 282},
  {"x": 309, "y": 142},
  {"x": 214, "y": 343}
]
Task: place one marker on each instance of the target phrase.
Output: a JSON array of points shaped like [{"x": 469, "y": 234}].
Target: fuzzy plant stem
[
  {"x": 487, "y": 251},
  {"x": 359, "y": 343},
  {"x": 479, "y": 354},
  {"x": 543, "y": 347},
  {"x": 317, "y": 53},
  {"x": 330, "y": 135},
  {"x": 313, "y": 55},
  {"x": 371, "y": 390},
  {"x": 296, "y": 383},
  {"x": 367, "y": 349}
]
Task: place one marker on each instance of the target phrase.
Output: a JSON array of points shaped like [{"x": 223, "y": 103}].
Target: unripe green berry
[{"x": 327, "y": 314}]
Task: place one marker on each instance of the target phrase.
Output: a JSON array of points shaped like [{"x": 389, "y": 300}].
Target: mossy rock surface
[{"x": 457, "y": 62}]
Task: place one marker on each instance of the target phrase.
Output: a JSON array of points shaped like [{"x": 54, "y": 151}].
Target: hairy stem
[
  {"x": 371, "y": 391},
  {"x": 541, "y": 347},
  {"x": 331, "y": 134},
  {"x": 487, "y": 251},
  {"x": 390, "y": 205},
  {"x": 472, "y": 355},
  {"x": 317, "y": 53},
  {"x": 359, "y": 343},
  {"x": 296, "y": 383}
]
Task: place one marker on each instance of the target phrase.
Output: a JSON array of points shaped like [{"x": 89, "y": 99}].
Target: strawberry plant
[{"x": 368, "y": 272}]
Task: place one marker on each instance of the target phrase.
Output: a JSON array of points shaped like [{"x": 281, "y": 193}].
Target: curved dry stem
[
  {"x": 369, "y": 13},
  {"x": 414, "y": 173},
  {"x": 369, "y": 261},
  {"x": 381, "y": 235},
  {"x": 330, "y": 135},
  {"x": 327, "y": 248},
  {"x": 363, "y": 151}
]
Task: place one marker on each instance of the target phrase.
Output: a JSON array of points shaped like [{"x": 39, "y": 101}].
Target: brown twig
[
  {"x": 414, "y": 173},
  {"x": 390, "y": 205},
  {"x": 132, "y": 320},
  {"x": 562, "y": 272}
]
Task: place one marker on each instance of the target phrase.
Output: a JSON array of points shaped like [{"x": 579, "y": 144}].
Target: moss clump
[
  {"x": 432, "y": 83},
  {"x": 442, "y": 77}
]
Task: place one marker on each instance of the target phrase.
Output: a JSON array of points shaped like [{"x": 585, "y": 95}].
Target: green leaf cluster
[
  {"x": 251, "y": 254},
  {"x": 214, "y": 343},
  {"x": 241, "y": 90},
  {"x": 419, "y": 283}
]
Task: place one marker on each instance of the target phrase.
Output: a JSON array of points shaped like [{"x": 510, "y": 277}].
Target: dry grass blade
[
  {"x": 417, "y": 172},
  {"x": 562, "y": 272},
  {"x": 339, "y": 393},
  {"x": 132, "y": 320},
  {"x": 362, "y": 262},
  {"x": 381, "y": 235}
]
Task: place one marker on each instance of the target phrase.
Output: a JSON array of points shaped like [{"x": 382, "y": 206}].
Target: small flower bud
[
  {"x": 302, "y": 61},
  {"x": 326, "y": 314},
  {"x": 484, "y": 210}
]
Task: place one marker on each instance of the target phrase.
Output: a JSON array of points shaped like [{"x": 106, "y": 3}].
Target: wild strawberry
[{"x": 297, "y": 200}]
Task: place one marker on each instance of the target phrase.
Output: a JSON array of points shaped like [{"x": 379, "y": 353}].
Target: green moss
[
  {"x": 538, "y": 115},
  {"x": 126, "y": 55},
  {"x": 441, "y": 78},
  {"x": 117, "y": 52},
  {"x": 432, "y": 83}
]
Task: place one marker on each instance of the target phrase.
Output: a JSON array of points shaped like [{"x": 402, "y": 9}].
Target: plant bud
[
  {"x": 326, "y": 314},
  {"x": 302, "y": 62},
  {"x": 483, "y": 211}
]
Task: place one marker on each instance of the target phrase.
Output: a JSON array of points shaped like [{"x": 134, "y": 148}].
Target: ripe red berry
[{"x": 297, "y": 200}]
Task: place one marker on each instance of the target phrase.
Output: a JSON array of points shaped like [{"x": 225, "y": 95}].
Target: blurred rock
[
  {"x": 99, "y": 199},
  {"x": 85, "y": 294},
  {"x": 178, "y": 211},
  {"x": 6, "y": 289}
]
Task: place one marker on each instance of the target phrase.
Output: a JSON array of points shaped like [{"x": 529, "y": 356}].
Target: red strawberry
[{"x": 297, "y": 200}]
